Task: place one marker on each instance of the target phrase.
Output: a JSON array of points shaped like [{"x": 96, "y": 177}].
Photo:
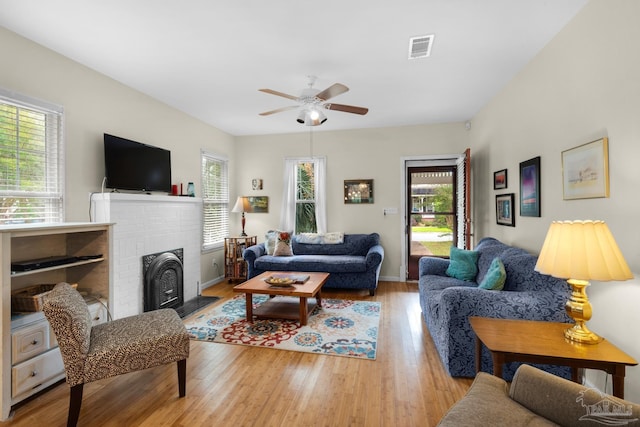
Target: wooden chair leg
[
  {"x": 75, "y": 401},
  {"x": 182, "y": 377}
]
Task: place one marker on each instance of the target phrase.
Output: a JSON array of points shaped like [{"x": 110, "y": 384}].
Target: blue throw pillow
[
  {"x": 463, "y": 264},
  {"x": 495, "y": 277}
]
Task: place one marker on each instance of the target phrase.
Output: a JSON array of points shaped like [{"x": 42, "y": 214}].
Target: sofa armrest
[
  {"x": 251, "y": 253},
  {"x": 374, "y": 256},
  {"x": 562, "y": 401},
  {"x": 434, "y": 266}
]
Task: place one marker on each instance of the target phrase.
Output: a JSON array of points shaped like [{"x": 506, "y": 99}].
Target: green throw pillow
[
  {"x": 463, "y": 264},
  {"x": 495, "y": 277}
]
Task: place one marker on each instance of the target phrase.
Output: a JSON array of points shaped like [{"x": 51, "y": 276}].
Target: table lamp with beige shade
[
  {"x": 242, "y": 205},
  {"x": 581, "y": 251}
]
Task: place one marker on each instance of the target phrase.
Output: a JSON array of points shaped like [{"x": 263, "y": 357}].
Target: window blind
[
  {"x": 31, "y": 161},
  {"x": 215, "y": 198}
]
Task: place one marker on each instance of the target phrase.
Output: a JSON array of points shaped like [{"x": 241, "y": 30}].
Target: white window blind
[
  {"x": 215, "y": 198},
  {"x": 31, "y": 160}
]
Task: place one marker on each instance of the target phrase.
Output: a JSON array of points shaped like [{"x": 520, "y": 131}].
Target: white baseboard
[
  {"x": 212, "y": 282},
  {"x": 389, "y": 279}
]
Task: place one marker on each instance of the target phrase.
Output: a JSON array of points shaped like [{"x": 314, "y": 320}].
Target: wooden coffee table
[
  {"x": 544, "y": 342},
  {"x": 278, "y": 307}
]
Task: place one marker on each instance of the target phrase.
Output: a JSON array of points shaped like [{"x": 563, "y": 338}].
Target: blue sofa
[
  {"x": 353, "y": 264},
  {"x": 447, "y": 303}
]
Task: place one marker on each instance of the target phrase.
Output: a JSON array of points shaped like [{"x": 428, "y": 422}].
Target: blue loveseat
[
  {"x": 447, "y": 303},
  {"x": 353, "y": 264}
]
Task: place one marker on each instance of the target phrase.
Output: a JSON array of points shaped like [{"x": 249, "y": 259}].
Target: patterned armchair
[{"x": 113, "y": 348}]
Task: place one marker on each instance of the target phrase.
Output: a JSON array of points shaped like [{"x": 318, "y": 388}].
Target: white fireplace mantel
[{"x": 147, "y": 224}]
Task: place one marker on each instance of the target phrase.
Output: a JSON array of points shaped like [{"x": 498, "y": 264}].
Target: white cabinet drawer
[
  {"x": 35, "y": 371},
  {"x": 98, "y": 313},
  {"x": 29, "y": 341}
]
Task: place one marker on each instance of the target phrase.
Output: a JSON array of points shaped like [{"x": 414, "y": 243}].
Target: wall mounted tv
[{"x": 131, "y": 165}]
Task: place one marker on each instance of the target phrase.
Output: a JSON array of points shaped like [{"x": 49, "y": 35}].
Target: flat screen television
[{"x": 131, "y": 165}]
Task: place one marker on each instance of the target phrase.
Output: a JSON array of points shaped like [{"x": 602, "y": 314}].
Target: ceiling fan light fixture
[{"x": 311, "y": 117}]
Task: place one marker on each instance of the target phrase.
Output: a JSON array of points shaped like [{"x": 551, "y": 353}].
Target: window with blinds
[
  {"x": 31, "y": 161},
  {"x": 215, "y": 198}
]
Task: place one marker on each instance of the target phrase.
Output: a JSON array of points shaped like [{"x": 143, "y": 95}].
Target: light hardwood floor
[{"x": 233, "y": 385}]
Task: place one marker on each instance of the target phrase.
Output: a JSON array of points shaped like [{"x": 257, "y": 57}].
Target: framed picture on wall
[
  {"x": 500, "y": 179},
  {"x": 358, "y": 191},
  {"x": 504, "y": 209},
  {"x": 530, "y": 187},
  {"x": 585, "y": 171},
  {"x": 259, "y": 204}
]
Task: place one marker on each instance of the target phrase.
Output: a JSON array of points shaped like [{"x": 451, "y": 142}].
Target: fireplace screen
[{"x": 163, "y": 280}]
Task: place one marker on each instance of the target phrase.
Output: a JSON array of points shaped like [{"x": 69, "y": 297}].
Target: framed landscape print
[
  {"x": 530, "y": 187},
  {"x": 504, "y": 209},
  {"x": 585, "y": 171},
  {"x": 259, "y": 204},
  {"x": 500, "y": 179}
]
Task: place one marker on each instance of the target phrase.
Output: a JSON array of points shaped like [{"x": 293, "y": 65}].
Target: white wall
[
  {"x": 95, "y": 104},
  {"x": 585, "y": 84},
  {"x": 357, "y": 154}
]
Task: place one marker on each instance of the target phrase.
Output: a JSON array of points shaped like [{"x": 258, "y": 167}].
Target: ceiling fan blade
[
  {"x": 331, "y": 91},
  {"x": 279, "y": 110},
  {"x": 347, "y": 108},
  {"x": 275, "y": 92}
]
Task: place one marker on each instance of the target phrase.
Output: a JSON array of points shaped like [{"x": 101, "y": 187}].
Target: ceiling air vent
[{"x": 420, "y": 47}]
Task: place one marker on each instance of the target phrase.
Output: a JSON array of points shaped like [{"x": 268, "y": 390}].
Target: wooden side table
[
  {"x": 531, "y": 341},
  {"x": 235, "y": 267}
]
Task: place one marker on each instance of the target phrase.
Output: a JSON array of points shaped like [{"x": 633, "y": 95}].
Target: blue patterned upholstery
[
  {"x": 353, "y": 264},
  {"x": 447, "y": 304}
]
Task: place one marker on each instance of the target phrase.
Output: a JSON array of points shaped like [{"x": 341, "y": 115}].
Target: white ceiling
[{"x": 209, "y": 58}]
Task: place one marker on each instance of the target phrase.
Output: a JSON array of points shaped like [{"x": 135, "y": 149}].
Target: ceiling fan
[{"x": 313, "y": 101}]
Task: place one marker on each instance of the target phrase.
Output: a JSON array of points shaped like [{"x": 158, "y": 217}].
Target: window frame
[
  {"x": 54, "y": 158},
  {"x": 209, "y": 245}
]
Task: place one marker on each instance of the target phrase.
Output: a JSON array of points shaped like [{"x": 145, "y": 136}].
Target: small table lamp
[
  {"x": 242, "y": 205},
  {"x": 581, "y": 251}
]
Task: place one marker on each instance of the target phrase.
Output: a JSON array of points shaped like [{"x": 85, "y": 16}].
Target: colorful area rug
[{"x": 340, "y": 328}]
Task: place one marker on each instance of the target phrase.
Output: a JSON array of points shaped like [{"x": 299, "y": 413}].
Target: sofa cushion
[
  {"x": 334, "y": 238},
  {"x": 353, "y": 244},
  {"x": 283, "y": 245},
  {"x": 324, "y": 263},
  {"x": 495, "y": 277},
  {"x": 463, "y": 264}
]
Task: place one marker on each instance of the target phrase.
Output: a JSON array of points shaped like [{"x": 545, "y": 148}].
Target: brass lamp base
[{"x": 579, "y": 309}]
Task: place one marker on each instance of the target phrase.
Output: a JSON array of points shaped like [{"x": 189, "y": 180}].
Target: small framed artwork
[
  {"x": 504, "y": 209},
  {"x": 259, "y": 204},
  {"x": 256, "y": 184},
  {"x": 500, "y": 179},
  {"x": 358, "y": 191},
  {"x": 530, "y": 187},
  {"x": 585, "y": 171}
]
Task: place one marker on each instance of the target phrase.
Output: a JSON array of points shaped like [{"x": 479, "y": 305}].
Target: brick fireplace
[{"x": 148, "y": 224}]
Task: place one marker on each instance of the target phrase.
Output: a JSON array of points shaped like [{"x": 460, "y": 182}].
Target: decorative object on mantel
[
  {"x": 242, "y": 205},
  {"x": 504, "y": 209},
  {"x": 340, "y": 328},
  {"x": 259, "y": 204},
  {"x": 256, "y": 184},
  {"x": 500, "y": 179},
  {"x": 581, "y": 251},
  {"x": 358, "y": 191},
  {"x": 585, "y": 171},
  {"x": 530, "y": 187}
]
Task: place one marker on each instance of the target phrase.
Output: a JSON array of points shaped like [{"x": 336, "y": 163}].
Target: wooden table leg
[
  {"x": 618, "y": 381},
  {"x": 319, "y": 299},
  {"x": 478, "y": 355},
  {"x": 498, "y": 361},
  {"x": 303, "y": 311},
  {"x": 249, "y": 305}
]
